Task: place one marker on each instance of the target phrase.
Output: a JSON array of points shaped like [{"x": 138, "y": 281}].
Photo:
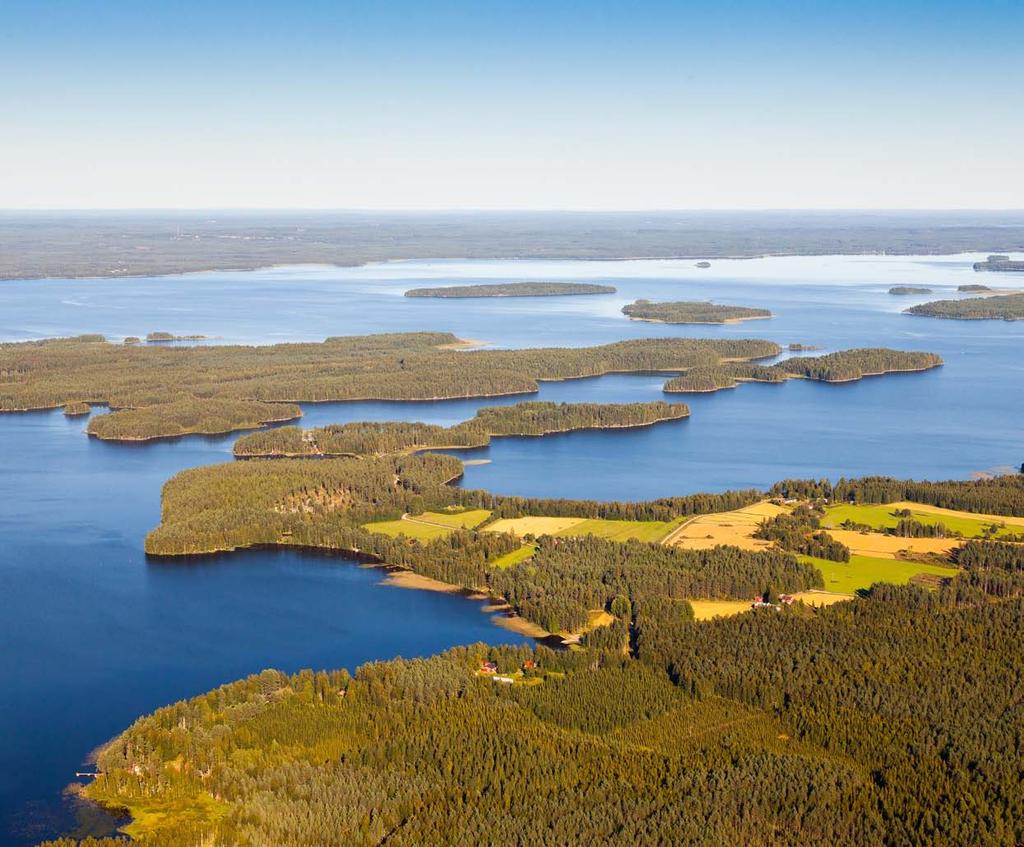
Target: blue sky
[{"x": 511, "y": 105}]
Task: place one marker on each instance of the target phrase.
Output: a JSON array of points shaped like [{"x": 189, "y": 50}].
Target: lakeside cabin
[{"x": 489, "y": 668}]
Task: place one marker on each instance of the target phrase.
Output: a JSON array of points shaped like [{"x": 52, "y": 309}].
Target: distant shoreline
[{"x": 680, "y": 257}]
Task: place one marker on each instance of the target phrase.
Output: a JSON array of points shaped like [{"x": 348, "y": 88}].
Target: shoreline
[{"x": 702, "y": 323}]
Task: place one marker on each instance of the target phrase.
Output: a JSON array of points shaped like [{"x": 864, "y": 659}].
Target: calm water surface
[{"x": 93, "y": 635}]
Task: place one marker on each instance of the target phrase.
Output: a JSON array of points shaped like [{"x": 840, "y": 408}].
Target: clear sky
[{"x": 512, "y": 104}]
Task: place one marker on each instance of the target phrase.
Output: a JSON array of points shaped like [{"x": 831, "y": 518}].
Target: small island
[
  {"x": 691, "y": 312},
  {"x": 132, "y": 339},
  {"x": 189, "y": 416},
  {"x": 1000, "y": 263},
  {"x": 703, "y": 264},
  {"x": 536, "y": 418},
  {"x": 513, "y": 289},
  {"x": 902, "y": 290},
  {"x": 843, "y": 366},
  {"x": 1007, "y": 307},
  {"x": 973, "y": 288},
  {"x": 76, "y": 409},
  {"x": 164, "y": 337}
]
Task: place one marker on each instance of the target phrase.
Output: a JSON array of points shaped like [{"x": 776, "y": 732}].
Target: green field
[
  {"x": 882, "y": 517},
  {"x": 456, "y": 520},
  {"x": 862, "y": 571},
  {"x": 514, "y": 558},
  {"x": 622, "y": 530},
  {"x": 429, "y": 525}
]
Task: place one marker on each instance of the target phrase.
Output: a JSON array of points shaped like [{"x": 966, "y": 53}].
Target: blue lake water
[{"x": 93, "y": 635}]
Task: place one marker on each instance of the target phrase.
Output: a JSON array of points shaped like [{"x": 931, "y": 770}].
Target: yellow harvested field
[
  {"x": 706, "y": 610},
  {"x": 532, "y": 525},
  {"x": 887, "y": 546},
  {"x": 735, "y": 528},
  {"x": 955, "y": 513}
]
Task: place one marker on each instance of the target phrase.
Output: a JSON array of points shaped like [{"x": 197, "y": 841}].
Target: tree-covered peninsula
[
  {"x": 513, "y": 289},
  {"x": 691, "y": 312},
  {"x": 838, "y": 725},
  {"x": 533, "y": 418},
  {"x": 1007, "y": 307},
  {"x": 843, "y": 366},
  {"x": 403, "y": 366}
]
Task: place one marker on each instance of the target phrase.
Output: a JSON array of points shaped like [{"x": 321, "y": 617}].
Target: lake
[{"x": 94, "y": 635}]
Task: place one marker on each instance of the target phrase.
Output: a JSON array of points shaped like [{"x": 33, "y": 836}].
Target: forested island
[
  {"x": 842, "y": 723},
  {"x": 902, "y": 290},
  {"x": 843, "y": 366},
  {"x": 513, "y": 289},
  {"x": 691, "y": 312},
  {"x": 159, "y": 391},
  {"x": 165, "y": 390},
  {"x": 973, "y": 288},
  {"x": 524, "y": 419},
  {"x": 189, "y": 416},
  {"x": 1007, "y": 307}
]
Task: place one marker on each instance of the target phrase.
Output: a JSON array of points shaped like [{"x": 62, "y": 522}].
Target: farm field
[
  {"x": 887, "y": 546},
  {"x": 429, "y": 525},
  {"x": 735, "y": 528},
  {"x": 515, "y": 557},
  {"x": 706, "y": 610},
  {"x": 882, "y": 517},
  {"x": 611, "y": 529},
  {"x": 862, "y": 571}
]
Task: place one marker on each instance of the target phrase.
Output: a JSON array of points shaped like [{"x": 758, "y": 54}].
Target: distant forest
[
  {"x": 513, "y": 289},
  {"x": 103, "y": 244}
]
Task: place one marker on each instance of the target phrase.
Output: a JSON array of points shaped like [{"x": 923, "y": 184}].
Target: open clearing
[
  {"x": 612, "y": 530},
  {"x": 429, "y": 525},
  {"x": 736, "y": 528},
  {"x": 887, "y": 546},
  {"x": 862, "y": 571},
  {"x": 515, "y": 557},
  {"x": 883, "y": 517},
  {"x": 533, "y": 525},
  {"x": 706, "y": 610}
]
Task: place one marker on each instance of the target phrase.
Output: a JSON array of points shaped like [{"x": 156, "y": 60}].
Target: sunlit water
[{"x": 93, "y": 635}]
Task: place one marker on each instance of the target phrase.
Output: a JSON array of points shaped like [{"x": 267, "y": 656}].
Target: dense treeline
[
  {"x": 403, "y": 366},
  {"x": 567, "y": 577},
  {"x": 691, "y": 312},
  {"x": 1001, "y": 495},
  {"x": 187, "y": 416},
  {"x": 890, "y": 683},
  {"x": 513, "y": 289},
  {"x": 800, "y": 532},
  {"x": 531, "y": 418},
  {"x": 1008, "y": 307},
  {"x": 990, "y": 554}
]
